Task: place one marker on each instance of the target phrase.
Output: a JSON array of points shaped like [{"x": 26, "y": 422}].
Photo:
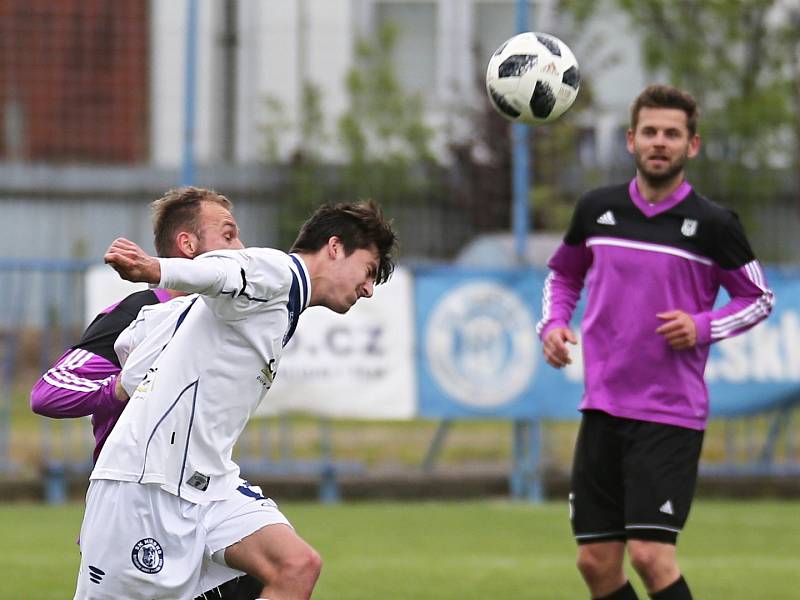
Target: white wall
[{"x": 270, "y": 63}]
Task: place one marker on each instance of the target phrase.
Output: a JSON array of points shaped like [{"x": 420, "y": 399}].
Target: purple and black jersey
[
  {"x": 638, "y": 259},
  {"x": 81, "y": 382}
]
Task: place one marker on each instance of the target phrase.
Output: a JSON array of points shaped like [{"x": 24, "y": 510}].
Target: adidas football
[{"x": 532, "y": 78}]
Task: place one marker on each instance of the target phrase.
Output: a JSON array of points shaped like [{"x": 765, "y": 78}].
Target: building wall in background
[
  {"x": 441, "y": 50},
  {"x": 92, "y": 98},
  {"x": 76, "y": 212},
  {"x": 73, "y": 81}
]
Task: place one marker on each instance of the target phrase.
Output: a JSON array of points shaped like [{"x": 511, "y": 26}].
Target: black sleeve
[
  {"x": 101, "y": 334},
  {"x": 732, "y": 250},
  {"x": 576, "y": 232}
]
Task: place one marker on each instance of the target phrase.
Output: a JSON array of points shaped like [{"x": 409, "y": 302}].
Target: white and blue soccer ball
[{"x": 532, "y": 78}]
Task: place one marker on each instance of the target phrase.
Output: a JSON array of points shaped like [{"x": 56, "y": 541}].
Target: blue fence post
[
  {"x": 526, "y": 470},
  {"x": 190, "y": 91},
  {"x": 55, "y": 483},
  {"x": 437, "y": 442},
  {"x": 328, "y": 485}
]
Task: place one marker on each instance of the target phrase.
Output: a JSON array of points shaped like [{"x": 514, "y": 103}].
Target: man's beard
[{"x": 660, "y": 179}]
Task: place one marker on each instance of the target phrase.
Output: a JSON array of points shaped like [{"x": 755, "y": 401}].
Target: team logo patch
[
  {"x": 147, "y": 556},
  {"x": 199, "y": 481},
  {"x": 689, "y": 227}
]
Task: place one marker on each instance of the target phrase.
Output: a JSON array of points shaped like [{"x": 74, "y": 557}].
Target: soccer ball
[{"x": 532, "y": 78}]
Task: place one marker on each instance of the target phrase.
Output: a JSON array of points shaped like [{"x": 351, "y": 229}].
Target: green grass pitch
[{"x": 491, "y": 550}]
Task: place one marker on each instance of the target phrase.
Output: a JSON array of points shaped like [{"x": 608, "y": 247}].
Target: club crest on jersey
[
  {"x": 199, "y": 481},
  {"x": 148, "y": 556},
  {"x": 689, "y": 227}
]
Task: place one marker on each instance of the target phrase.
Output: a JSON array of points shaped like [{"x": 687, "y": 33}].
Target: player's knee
[
  {"x": 651, "y": 560},
  {"x": 596, "y": 565}
]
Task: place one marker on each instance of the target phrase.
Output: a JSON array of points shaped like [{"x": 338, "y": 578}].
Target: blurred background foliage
[{"x": 739, "y": 58}]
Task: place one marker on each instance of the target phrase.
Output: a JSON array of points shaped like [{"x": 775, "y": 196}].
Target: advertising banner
[
  {"x": 477, "y": 349},
  {"x": 479, "y": 355},
  {"x": 356, "y": 365},
  {"x": 445, "y": 342}
]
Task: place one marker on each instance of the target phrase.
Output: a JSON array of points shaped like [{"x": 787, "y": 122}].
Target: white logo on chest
[
  {"x": 607, "y": 218},
  {"x": 689, "y": 227}
]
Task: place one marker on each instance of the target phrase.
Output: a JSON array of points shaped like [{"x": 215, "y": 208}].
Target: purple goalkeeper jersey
[
  {"x": 638, "y": 259},
  {"x": 81, "y": 382}
]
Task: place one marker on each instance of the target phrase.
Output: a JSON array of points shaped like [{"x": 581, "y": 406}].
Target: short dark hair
[
  {"x": 666, "y": 96},
  {"x": 358, "y": 225},
  {"x": 179, "y": 210}
]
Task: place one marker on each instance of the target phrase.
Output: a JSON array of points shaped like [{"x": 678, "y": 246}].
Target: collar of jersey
[
  {"x": 651, "y": 210},
  {"x": 299, "y": 268}
]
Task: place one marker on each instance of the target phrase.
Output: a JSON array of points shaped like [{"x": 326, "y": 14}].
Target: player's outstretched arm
[
  {"x": 227, "y": 274},
  {"x": 132, "y": 263}
]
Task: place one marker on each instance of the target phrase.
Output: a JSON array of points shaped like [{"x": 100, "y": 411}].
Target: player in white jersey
[{"x": 166, "y": 509}]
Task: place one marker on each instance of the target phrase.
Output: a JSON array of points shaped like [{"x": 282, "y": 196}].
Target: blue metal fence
[
  {"x": 43, "y": 312},
  {"x": 42, "y": 303}
]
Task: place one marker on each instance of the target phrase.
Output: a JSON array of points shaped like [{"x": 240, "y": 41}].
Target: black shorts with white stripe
[
  {"x": 241, "y": 588},
  {"x": 632, "y": 479}
]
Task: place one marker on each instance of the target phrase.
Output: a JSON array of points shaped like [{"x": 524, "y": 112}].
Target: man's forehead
[
  {"x": 216, "y": 212},
  {"x": 662, "y": 117},
  {"x": 373, "y": 253},
  {"x": 369, "y": 255}
]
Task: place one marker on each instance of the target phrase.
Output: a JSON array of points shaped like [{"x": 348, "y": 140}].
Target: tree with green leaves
[
  {"x": 741, "y": 60},
  {"x": 384, "y": 135},
  {"x": 385, "y": 141}
]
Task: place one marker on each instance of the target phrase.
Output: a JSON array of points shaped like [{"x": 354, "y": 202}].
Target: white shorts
[{"x": 140, "y": 542}]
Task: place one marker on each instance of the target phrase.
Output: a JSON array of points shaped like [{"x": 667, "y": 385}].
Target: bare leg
[
  {"x": 601, "y": 565},
  {"x": 276, "y": 555},
  {"x": 655, "y": 562}
]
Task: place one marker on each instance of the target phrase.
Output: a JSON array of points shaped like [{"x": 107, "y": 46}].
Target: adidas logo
[
  {"x": 607, "y": 218},
  {"x": 666, "y": 508}
]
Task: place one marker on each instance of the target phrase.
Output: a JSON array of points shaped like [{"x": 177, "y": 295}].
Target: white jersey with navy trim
[{"x": 215, "y": 359}]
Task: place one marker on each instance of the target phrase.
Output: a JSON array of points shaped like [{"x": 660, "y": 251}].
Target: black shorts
[{"x": 632, "y": 479}]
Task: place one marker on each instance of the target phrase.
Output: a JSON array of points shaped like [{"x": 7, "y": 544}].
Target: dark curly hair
[
  {"x": 666, "y": 96},
  {"x": 358, "y": 225}
]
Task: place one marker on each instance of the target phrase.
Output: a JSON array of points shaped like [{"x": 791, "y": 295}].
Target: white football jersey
[
  {"x": 153, "y": 320},
  {"x": 214, "y": 357}
]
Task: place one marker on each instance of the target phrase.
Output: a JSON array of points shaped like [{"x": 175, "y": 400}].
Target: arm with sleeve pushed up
[{"x": 79, "y": 384}]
